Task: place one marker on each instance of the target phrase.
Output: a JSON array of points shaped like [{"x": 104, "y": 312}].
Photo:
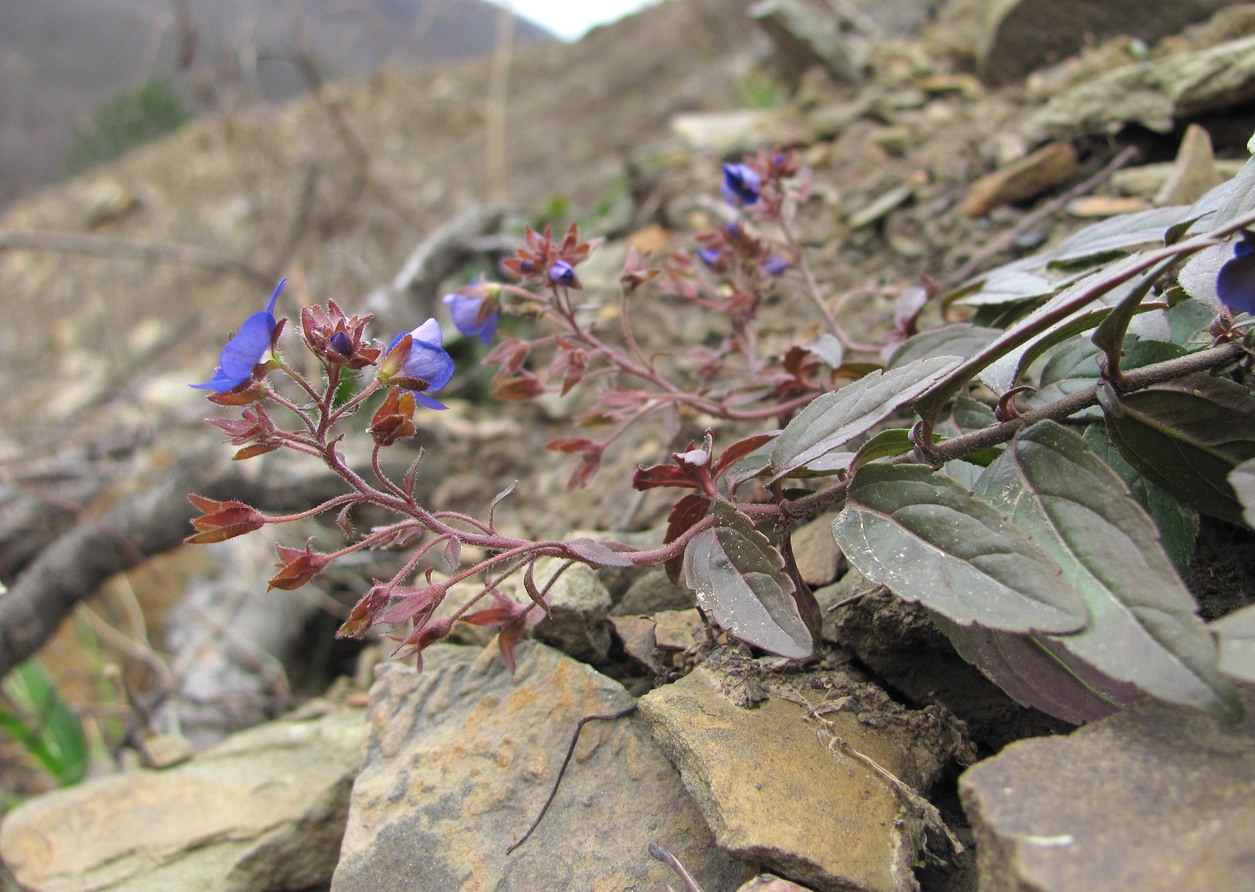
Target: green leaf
[
  {"x": 1177, "y": 523},
  {"x": 1187, "y": 436},
  {"x": 1030, "y": 674},
  {"x": 1198, "y": 276},
  {"x": 1118, "y": 234},
  {"x": 1058, "y": 309},
  {"x": 1009, "y": 285},
  {"x": 930, "y": 541},
  {"x": 1242, "y": 479},
  {"x": 741, "y": 584},
  {"x": 49, "y": 730},
  {"x": 1143, "y": 628},
  {"x": 1189, "y": 323},
  {"x": 1110, "y": 334},
  {"x": 833, "y": 419},
  {"x": 1236, "y": 640},
  {"x": 958, "y": 339}
]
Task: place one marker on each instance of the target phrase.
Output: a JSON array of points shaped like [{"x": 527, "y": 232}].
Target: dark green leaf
[
  {"x": 1109, "y": 336},
  {"x": 1010, "y": 286},
  {"x": 1187, "y": 436},
  {"x": 1143, "y": 626},
  {"x": 928, "y": 540},
  {"x": 1189, "y": 322},
  {"x": 887, "y": 443},
  {"x": 48, "y": 729},
  {"x": 1198, "y": 276},
  {"x": 1178, "y": 523},
  {"x": 1118, "y": 234},
  {"x": 833, "y": 419},
  {"x": 1030, "y": 674},
  {"x": 971, "y": 415},
  {"x": 741, "y": 584},
  {"x": 959, "y": 339}
]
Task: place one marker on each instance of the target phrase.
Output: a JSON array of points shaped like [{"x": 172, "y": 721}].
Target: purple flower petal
[
  {"x": 1235, "y": 284},
  {"x": 244, "y": 351},
  {"x": 741, "y": 185}
]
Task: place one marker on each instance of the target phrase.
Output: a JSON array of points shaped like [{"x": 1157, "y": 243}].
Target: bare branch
[{"x": 103, "y": 246}]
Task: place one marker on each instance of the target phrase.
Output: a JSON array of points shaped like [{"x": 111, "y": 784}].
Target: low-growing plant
[
  {"x": 1075, "y": 410},
  {"x": 33, "y": 713}
]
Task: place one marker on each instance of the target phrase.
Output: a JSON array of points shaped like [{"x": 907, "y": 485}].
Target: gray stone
[
  {"x": 806, "y": 35},
  {"x": 807, "y": 749},
  {"x": 1193, "y": 173},
  {"x": 1154, "y": 94},
  {"x": 264, "y": 810},
  {"x": 1158, "y": 799},
  {"x": 1022, "y": 35},
  {"x": 652, "y": 592},
  {"x": 461, "y": 757},
  {"x": 578, "y": 605},
  {"x": 1048, "y": 167},
  {"x": 816, "y": 552}
]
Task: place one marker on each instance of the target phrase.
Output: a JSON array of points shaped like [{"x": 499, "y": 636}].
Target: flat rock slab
[
  {"x": 264, "y": 810},
  {"x": 1158, "y": 799},
  {"x": 460, "y": 759},
  {"x": 801, "y": 795}
]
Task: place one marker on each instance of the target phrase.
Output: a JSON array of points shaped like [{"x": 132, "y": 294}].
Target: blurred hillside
[{"x": 61, "y": 61}]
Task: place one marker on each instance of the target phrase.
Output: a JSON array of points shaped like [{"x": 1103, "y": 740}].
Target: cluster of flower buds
[{"x": 552, "y": 264}]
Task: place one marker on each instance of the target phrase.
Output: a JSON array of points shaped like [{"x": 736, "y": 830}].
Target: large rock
[
  {"x": 1022, "y": 35},
  {"x": 1158, "y": 799},
  {"x": 1156, "y": 94},
  {"x": 262, "y": 812},
  {"x": 816, "y": 780},
  {"x": 459, "y": 761}
]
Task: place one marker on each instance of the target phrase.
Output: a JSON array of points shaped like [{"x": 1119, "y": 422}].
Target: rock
[
  {"x": 816, "y": 552},
  {"x": 881, "y": 205},
  {"x": 664, "y": 641},
  {"x": 261, "y": 812},
  {"x": 805, "y": 749},
  {"x": 1146, "y": 180},
  {"x": 652, "y": 592},
  {"x": 728, "y": 133},
  {"x": 1106, "y": 206},
  {"x": 1154, "y": 94},
  {"x": 1157, "y": 798},
  {"x": 766, "y": 882},
  {"x": 1050, "y": 166},
  {"x": 805, "y": 35},
  {"x": 460, "y": 758},
  {"x": 899, "y": 642},
  {"x": 165, "y": 750},
  {"x": 636, "y": 633},
  {"x": 1194, "y": 171},
  {"x": 1022, "y": 35},
  {"x": 578, "y": 606}
]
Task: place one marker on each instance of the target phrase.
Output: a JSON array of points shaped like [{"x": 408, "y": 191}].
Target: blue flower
[
  {"x": 741, "y": 185},
  {"x": 563, "y": 274},
  {"x": 712, "y": 258},
  {"x": 1236, "y": 283},
  {"x": 425, "y": 369},
  {"x": 775, "y": 266},
  {"x": 475, "y": 315},
  {"x": 244, "y": 351}
]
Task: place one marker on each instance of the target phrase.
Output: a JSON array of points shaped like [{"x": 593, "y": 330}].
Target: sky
[{"x": 571, "y": 19}]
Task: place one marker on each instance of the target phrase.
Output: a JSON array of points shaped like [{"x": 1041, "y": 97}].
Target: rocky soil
[{"x": 941, "y": 137}]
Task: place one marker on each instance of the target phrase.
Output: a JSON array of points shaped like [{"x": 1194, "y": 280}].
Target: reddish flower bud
[
  {"x": 394, "y": 419},
  {"x": 222, "y": 520},
  {"x": 296, "y": 567}
]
